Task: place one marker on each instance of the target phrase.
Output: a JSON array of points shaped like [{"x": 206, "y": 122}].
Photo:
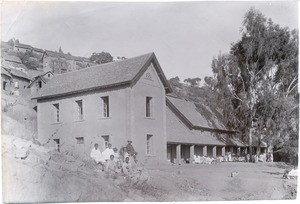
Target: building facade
[
  {"x": 39, "y": 81},
  {"x": 59, "y": 63},
  {"x": 6, "y": 81},
  {"x": 113, "y": 102},
  {"x": 129, "y": 100}
]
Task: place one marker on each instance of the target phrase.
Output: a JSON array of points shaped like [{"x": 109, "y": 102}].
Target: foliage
[
  {"x": 193, "y": 81},
  {"x": 101, "y": 58},
  {"x": 254, "y": 87},
  {"x": 30, "y": 60},
  {"x": 255, "y": 84}
]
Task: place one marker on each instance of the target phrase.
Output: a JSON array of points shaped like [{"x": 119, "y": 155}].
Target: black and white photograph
[{"x": 149, "y": 101}]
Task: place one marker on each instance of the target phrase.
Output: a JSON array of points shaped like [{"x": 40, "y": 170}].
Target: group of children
[{"x": 113, "y": 162}]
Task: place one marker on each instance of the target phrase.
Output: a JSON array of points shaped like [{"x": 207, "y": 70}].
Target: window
[
  {"x": 16, "y": 84},
  {"x": 105, "y": 102},
  {"x": 4, "y": 86},
  {"x": 150, "y": 145},
  {"x": 80, "y": 140},
  {"x": 40, "y": 84},
  {"x": 105, "y": 140},
  {"x": 57, "y": 144},
  {"x": 56, "y": 112},
  {"x": 79, "y": 110},
  {"x": 149, "y": 107},
  {"x": 48, "y": 75}
]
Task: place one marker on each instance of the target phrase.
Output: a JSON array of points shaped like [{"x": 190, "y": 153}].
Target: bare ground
[{"x": 53, "y": 177}]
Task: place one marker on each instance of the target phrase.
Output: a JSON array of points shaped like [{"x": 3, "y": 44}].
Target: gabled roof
[
  {"x": 126, "y": 72},
  {"x": 41, "y": 78},
  {"x": 189, "y": 113},
  {"x": 48, "y": 72}
]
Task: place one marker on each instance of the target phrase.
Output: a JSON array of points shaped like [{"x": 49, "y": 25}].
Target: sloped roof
[
  {"x": 23, "y": 46},
  {"x": 214, "y": 118},
  {"x": 38, "y": 50},
  {"x": 34, "y": 73},
  {"x": 18, "y": 73},
  {"x": 7, "y": 65},
  {"x": 192, "y": 116},
  {"x": 124, "y": 72},
  {"x": 232, "y": 141},
  {"x": 43, "y": 79},
  {"x": 5, "y": 72},
  {"x": 12, "y": 58},
  {"x": 178, "y": 132}
]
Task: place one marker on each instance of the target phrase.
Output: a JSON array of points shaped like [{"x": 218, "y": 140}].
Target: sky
[{"x": 185, "y": 36}]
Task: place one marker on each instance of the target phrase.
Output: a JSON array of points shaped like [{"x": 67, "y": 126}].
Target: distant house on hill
[
  {"x": 59, "y": 63},
  {"x": 14, "y": 82},
  {"x": 39, "y": 81},
  {"x": 6, "y": 81},
  {"x": 38, "y": 51},
  {"x": 6, "y": 46},
  {"x": 18, "y": 47},
  {"x": 13, "y": 62},
  {"x": 11, "y": 58},
  {"x": 20, "y": 81}
]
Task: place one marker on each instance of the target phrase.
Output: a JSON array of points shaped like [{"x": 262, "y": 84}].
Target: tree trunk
[
  {"x": 250, "y": 143},
  {"x": 258, "y": 145}
]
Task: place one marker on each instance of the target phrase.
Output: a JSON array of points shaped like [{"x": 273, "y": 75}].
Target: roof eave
[
  {"x": 214, "y": 129},
  {"x": 81, "y": 91}
]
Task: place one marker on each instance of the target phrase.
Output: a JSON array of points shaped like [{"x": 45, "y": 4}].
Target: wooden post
[
  {"x": 178, "y": 153},
  {"x": 223, "y": 151},
  {"x": 238, "y": 151},
  {"x": 214, "y": 152},
  {"x": 192, "y": 153},
  {"x": 204, "y": 151}
]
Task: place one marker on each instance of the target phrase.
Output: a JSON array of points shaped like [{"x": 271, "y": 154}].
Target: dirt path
[{"x": 214, "y": 182}]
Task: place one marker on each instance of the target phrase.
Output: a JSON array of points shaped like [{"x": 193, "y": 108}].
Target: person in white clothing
[
  {"x": 97, "y": 156},
  {"x": 107, "y": 152}
]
